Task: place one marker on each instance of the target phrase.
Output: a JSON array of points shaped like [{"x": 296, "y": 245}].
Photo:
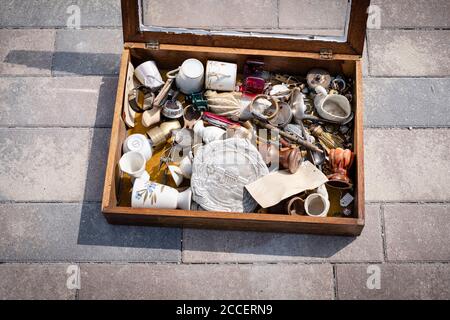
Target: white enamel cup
[
  {"x": 139, "y": 143},
  {"x": 191, "y": 76},
  {"x": 148, "y": 74},
  {"x": 220, "y": 76}
]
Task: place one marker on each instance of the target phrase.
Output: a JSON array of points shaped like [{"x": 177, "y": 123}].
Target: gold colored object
[
  {"x": 327, "y": 140},
  {"x": 159, "y": 135}
]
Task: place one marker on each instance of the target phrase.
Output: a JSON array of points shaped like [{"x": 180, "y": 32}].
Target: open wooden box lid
[{"x": 326, "y": 27}]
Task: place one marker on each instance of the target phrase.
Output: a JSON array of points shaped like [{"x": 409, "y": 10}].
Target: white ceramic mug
[
  {"x": 220, "y": 76},
  {"x": 133, "y": 163},
  {"x": 148, "y": 194},
  {"x": 148, "y": 74},
  {"x": 139, "y": 143},
  {"x": 334, "y": 107},
  {"x": 316, "y": 205},
  {"x": 191, "y": 76}
]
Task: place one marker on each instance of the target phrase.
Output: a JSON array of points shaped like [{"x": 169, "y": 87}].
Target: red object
[
  {"x": 213, "y": 116},
  {"x": 254, "y": 85}
]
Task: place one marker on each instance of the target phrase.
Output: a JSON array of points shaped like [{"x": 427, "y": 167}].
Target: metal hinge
[
  {"x": 152, "y": 45},
  {"x": 326, "y": 54}
]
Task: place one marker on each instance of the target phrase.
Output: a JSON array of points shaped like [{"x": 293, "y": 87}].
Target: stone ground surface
[{"x": 57, "y": 89}]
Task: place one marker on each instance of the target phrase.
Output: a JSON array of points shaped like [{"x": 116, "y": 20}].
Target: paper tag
[{"x": 346, "y": 200}]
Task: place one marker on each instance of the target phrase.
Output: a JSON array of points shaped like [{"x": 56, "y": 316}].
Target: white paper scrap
[{"x": 277, "y": 186}]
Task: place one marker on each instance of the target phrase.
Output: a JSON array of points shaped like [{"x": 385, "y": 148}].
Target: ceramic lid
[{"x": 286, "y": 25}]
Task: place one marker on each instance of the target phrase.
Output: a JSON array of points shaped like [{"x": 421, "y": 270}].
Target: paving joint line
[
  {"x": 54, "y": 127},
  {"x": 258, "y": 263},
  {"x": 383, "y": 233},
  {"x": 60, "y": 28},
  {"x": 335, "y": 282},
  {"x": 369, "y": 127}
]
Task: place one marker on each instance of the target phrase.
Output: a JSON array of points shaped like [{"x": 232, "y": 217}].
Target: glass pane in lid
[{"x": 323, "y": 20}]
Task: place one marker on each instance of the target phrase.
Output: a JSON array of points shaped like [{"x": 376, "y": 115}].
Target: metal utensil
[{"x": 298, "y": 108}]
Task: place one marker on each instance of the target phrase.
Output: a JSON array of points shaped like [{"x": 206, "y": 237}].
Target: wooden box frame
[{"x": 171, "y": 50}]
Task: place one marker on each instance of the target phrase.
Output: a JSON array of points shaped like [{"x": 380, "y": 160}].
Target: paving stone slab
[
  {"x": 417, "y": 232},
  {"x": 60, "y": 101},
  {"x": 330, "y": 14},
  {"x": 56, "y": 13},
  {"x": 52, "y": 164},
  {"x": 397, "y": 281},
  {"x": 211, "y": 14},
  {"x": 407, "y": 102},
  {"x": 210, "y": 282},
  {"x": 409, "y": 53},
  {"x": 87, "y": 52},
  {"x": 35, "y": 232},
  {"x": 407, "y": 165},
  {"x": 26, "y": 52},
  {"x": 210, "y": 246},
  {"x": 34, "y": 282},
  {"x": 414, "y": 14}
]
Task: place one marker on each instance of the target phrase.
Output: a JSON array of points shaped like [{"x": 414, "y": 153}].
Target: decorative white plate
[{"x": 220, "y": 171}]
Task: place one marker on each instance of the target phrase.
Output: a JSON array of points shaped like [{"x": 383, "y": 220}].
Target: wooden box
[{"x": 293, "y": 55}]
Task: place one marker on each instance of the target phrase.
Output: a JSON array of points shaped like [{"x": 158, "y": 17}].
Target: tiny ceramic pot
[
  {"x": 316, "y": 205},
  {"x": 340, "y": 161},
  {"x": 220, "y": 76},
  {"x": 148, "y": 194},
  {"x": 172, "y": 109},
  {"x": 139, "y": 143},
  {"x": 133, "y": 164},
  {"x": 148, "y": 74},
  {"x": 191, "y": 76},
  {"x": 333, "y": 107},
  {"x": 208, "y": 134}
]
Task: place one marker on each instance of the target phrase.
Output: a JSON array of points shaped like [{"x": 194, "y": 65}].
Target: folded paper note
[{"x": 277, "y": 186}]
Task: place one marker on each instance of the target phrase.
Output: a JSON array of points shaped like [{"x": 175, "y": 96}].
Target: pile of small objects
[{"x": 296, "y": 131}]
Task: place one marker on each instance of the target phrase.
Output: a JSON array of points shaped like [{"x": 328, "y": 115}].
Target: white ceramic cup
[
  {"x": 133, "y": 163},
  {"x": 220, "y": 76},
  {"x": 148, "y": 194},
  {"x": 139, "y": 143},
  {"x": 334, "y": 107},
  {"x": 316, "y": 205},
  {"x": 148, "y": 74},
  {"x": 191, "y": 76}
]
